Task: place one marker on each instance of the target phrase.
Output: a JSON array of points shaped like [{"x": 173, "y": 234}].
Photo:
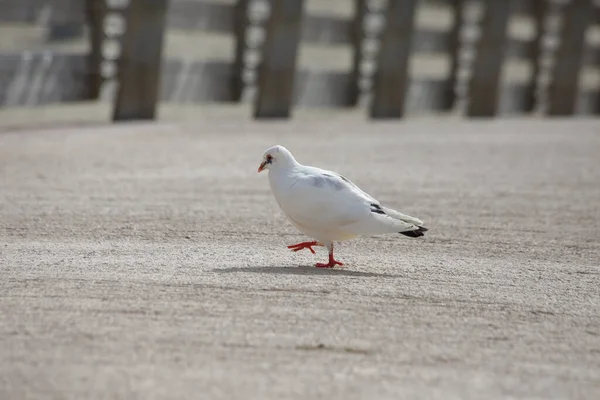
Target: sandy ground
[{"x": 149, "y": 261}]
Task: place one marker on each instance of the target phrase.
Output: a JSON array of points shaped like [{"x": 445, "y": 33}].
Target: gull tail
[
  {"x": 417, "y": 230},
  {"x": 416, "y": 233}
]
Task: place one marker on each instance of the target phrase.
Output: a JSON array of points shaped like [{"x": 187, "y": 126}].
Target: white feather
[{"x": 327, "y": 206}]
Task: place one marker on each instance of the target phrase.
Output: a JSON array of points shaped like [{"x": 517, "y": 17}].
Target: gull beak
[{"x": 262, "y": 166}]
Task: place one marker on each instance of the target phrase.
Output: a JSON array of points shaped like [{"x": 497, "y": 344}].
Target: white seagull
[{"x": 328, "y": 207}]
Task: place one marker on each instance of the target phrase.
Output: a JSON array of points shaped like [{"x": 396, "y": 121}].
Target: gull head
[{"x": 277, "y": 157}]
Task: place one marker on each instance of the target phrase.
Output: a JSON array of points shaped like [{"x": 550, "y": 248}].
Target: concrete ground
[{"x": 148, "y": 261}]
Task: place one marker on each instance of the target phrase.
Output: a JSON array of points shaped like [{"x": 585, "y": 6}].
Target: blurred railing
[{"x": 116, "y": 50}]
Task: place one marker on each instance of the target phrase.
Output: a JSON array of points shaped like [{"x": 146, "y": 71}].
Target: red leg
[
  {"x": 304, "y": 245},
  {"x": 332, "y": 262}
]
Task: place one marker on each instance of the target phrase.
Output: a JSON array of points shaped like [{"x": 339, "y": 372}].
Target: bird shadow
[{"x": 303, "y": 270}]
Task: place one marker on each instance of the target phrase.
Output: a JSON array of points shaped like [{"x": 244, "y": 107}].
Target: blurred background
[
  {"x": 148, "y": 260},
  {"x": 56, "y": 53}
]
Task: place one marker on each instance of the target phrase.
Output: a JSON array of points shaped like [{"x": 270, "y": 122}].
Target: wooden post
[
  {"x": 564, "y": 82},
  {"x": 485, "y": 80},
  {"x": 390, "y": 83},
  {"x": 540, "y": 8},
  {"x": 241, "y": 23},
  {"x": 95, "y": 12},
  {"x": 358, "y": 37},
  {"x": 454, "y": 50},
  {"x": 276, "y": 73},
  {"x": 140, "y": 64}
]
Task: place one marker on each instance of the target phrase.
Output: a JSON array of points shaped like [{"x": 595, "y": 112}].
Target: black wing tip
[
  {"x": 416, "y": 233},
  {"x": 376, "y": 208}
]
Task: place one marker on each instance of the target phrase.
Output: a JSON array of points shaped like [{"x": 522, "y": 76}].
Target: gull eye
[{"x": 269, "y": 158}]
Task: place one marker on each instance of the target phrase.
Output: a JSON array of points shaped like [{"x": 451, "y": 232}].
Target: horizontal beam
[
  {"x": 318, "y": 29},
  {"x": 65, "y": 77},
  {"x": 219, "y": 17},
  {"x": 29, "y": 10}
]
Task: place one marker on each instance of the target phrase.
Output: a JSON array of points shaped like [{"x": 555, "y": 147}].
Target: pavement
[{"x": 148, "y": 261}]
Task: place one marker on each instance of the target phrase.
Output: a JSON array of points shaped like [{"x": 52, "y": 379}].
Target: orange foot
[
  {"x": 304, "y": 245},
  {"x": 332, "y": 263}
]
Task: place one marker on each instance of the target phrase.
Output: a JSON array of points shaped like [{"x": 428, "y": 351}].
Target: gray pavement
[{"x": 148, "y": 261}]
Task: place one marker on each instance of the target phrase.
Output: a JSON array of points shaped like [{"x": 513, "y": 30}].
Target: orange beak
[{"x": 262, "y": 166}]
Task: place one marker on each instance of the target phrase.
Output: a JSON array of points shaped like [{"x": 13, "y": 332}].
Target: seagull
[{"x": 327, "y": 207}]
